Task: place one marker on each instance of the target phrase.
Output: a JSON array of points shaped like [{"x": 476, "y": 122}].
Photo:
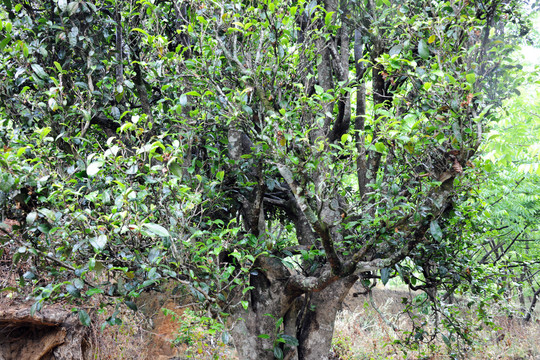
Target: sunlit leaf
[
  {"x": 395, "y": 50},
  {"x": 31, "y": 218},
  {"x": 153, "y": 254},
  {"x": 62, "y": 5},
  {"x": 38, "y": 69},
  {"x": 98, "y": 242},
  {"x": 94, "y": 168},
  {"x": 471, "y": 78},
  {"x": 220, "y": 175},
  {"x": 156, "y": 229}
]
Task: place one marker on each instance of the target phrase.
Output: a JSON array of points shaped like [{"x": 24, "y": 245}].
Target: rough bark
[
  {"x": 52, "y": 333},
  {"x": 359, "y": 125},
  {"x": 317, "y": 323},
  {"x": 530, "y": 311},
  {"x": 307, "y": 316},
  {"x": 267, "y": 303}
]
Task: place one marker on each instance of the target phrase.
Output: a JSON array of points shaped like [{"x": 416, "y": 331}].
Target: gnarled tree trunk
[
  {"x": 316, "y": 327},
  {"x": 276, "y": 309}
]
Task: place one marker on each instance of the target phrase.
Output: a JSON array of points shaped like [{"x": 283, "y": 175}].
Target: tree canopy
[{"x": 265, "y": 156}]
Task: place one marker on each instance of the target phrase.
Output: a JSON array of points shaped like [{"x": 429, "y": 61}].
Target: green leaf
[
  {"x": 62, "y": 4},
  {"x": 156, "y": 229},
  {"x": 53, "y": 105},
  {"x": 153, "y": 255},
  {"x": 93, "y": 168},
  {"x": 471, "y": 78},
  {"x": 58, "y": 66},
  {"x": 39, "y": 71},
  {"x": 427, "y": 86},
  {"x": 36, "y": 307},
  {"x": 264, "y": 336},
  {"x": 484, "y": 112},
  {"x": 131, "y": 305},
  {"x": 49, "y": 214},
  {"x": 4, "y": 42},
  {"x": 31, "y": 218},
  {"x": 84, "y": 318},
  {"x": 72, "y": 7},
  {"x": 423, "y": 49},
  {"x": 292, "y": 10},
  {"x": 73, "y": 291},
  {"x": 6, "y": 182},
  {"x": 94, "y": 291},
  {"x": 176, "y": 169},
  {"x": 72, "y": 36},
  {"x": 385, "y": 275},
  {"x": 446, "y": 340},
  {"x": 78, "y": 283},
  {"x": 278, "y": 353},
  {"x": 115, "y": 112},
  {"x": 220, "y": 175},
  {"x": 395, "y": 50},
  {"x": 183, "y": 100},
  {"x": 328, "y": 18},
  {"x": 119, "y": 93},
  {"x": 290, "y": 340},
  {"x": 435, "y": 230},
  {"x": 225, "y": 337},
  {"x": 141, "y": 31},
  {"x": 99, "y": 242},
  {"x": 380, "y": 147}
]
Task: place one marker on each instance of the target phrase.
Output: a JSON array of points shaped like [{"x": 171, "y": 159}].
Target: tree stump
[{"x": 51, "y": 334}]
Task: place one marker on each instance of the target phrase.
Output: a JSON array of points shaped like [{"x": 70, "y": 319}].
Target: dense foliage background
[{"x": 265, "y": 156}]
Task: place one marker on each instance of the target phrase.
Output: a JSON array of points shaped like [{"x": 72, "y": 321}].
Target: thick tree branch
[{"x": 318, "y": 225}]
